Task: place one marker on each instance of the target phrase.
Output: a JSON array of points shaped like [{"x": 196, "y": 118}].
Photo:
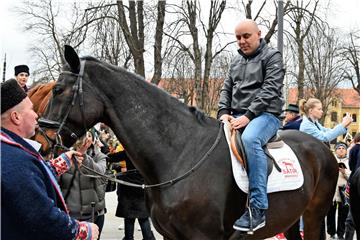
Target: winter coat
[
  {"x": 131, "y": 201},
  {"x": 342, "y": 178},
  {"x": 293, "y": 124},
  {"x": 84, "y": 189},
  {"x": 316, "y": 130},
  {"x": 254, "y": 84},
  {"x": 32, "y": 206}
]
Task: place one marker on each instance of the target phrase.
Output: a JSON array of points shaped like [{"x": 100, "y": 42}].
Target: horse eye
[{"x": 57, "y": 89}]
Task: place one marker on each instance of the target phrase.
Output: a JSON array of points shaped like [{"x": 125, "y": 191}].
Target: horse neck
[{"x": 159, "y": 133}]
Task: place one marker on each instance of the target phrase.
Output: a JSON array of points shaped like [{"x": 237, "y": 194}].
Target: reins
[{"x": 159, "y": 185}]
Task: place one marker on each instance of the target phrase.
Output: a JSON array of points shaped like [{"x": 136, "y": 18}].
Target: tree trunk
[{"x": 158, "y": 42}]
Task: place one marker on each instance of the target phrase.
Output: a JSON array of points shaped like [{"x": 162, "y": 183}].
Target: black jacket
[{"x": 254, "y": 84}]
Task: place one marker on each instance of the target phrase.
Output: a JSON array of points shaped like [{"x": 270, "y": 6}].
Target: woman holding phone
[{"x": 310, "y": 125}]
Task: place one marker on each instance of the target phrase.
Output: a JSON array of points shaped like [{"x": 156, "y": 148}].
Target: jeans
[{"x": 256, "y": 134}]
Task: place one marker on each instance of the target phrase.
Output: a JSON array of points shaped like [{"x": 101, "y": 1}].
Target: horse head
[{"x": 69, "y": 104}]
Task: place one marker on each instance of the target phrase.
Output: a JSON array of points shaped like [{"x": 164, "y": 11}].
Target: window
[
  {"x": 333, "y": 102},
  {"x": 333, "y": 116},
  {"x": 354, "y": 117}
]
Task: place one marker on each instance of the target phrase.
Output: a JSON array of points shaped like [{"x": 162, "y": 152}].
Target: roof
[{"x": 349, "y": 97}]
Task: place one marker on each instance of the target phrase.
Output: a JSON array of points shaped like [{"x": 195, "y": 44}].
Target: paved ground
[{"x": 110, "y": 230}]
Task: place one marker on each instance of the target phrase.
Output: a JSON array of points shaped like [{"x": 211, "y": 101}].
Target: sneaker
[
  {"x": 302, "y": 235},
  {"x": 280, "y": 236},
  {"x": 258, "y": 220}
]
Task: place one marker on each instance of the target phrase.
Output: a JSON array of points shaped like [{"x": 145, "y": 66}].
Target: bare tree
[
  {"x": 134, "y": 31},
  {"x": 302, "y": 16},
  {"x": 351, "y": 55},
  {"x": 180, "y": 72},
  {"x": 323, "y": 63},
  {"x": 270, "y": 24},
  {"x": 107, "y": 41},
  {"x": 218, "y": 73},
  {"x": 43, "y": 18},
  {"x": 189, "y": 24},
  {"x": 158, "y": 42}
]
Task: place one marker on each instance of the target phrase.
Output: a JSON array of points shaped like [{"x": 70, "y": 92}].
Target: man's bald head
[
  {"x": 249, "y": 24},
  {"x": 248, "y": 36}
]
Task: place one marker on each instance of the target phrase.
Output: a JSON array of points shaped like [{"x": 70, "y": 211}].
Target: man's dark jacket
[{"x": 254, "y": 84}]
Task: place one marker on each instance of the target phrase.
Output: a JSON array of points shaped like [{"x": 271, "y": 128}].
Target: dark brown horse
[{"x": 168, "y": 140}]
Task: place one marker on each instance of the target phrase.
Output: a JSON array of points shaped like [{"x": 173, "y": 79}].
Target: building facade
[{"x": 343, "y": 101}]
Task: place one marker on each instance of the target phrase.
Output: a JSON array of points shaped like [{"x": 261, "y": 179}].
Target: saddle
[{"x": 238, "y": 149}]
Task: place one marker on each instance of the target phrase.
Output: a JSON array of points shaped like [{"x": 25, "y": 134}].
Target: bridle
[
  {"x": 78, "y": 91},
  {"x": 60, "y": 126}
]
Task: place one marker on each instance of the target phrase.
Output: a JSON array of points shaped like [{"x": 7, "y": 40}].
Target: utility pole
[
  {"x": 280, "y": 42},
  {"x": 4, "y": 69}
]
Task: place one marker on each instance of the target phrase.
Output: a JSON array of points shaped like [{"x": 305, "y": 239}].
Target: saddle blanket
[{"x": 290, "y": 177}]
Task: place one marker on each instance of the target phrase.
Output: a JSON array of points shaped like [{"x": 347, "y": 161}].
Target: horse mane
[
  {"x": 40, "y": 95},
  {"x": 200, "y": 116},
  {"x": 34, "y": 89}
]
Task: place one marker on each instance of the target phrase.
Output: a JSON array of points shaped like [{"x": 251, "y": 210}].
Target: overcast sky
[{"x": 14, "y": 42}]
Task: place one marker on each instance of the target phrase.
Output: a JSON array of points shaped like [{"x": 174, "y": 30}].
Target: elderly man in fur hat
[
  {"x": 32, "y": 206},
  {"x": 22, "y": 74}
]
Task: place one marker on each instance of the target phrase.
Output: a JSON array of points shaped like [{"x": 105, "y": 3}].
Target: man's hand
[
  {"x": 86, "y": 144},
  {"x": 72, "y": 154},
  {"x": 347, "y": 120},
  {"x": 342, "y": 170},
  {"x": 226, "y": 118},
  {"x": 239, "y": 122}
]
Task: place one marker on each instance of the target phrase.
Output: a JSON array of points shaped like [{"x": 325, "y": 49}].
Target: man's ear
[
  {"x": 15, "y": 118},
  {"x": 259, "y": 33}
]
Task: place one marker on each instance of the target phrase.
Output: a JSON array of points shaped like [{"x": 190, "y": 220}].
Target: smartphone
[{"x": 342, "y": 165}]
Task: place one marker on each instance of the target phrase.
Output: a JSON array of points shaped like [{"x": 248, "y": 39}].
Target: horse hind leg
[
  {"x": 316, "y": 210},
  {"x": 314, "y": 222}
]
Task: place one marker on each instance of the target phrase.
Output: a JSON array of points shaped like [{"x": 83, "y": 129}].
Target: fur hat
[
  {"x": 292, "y": 108},
  {"x": 11, "y": 94},
  {"x": 21, "y": 68}
]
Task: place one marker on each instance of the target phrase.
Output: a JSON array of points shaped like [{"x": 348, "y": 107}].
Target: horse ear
[{"x": 72, "y": 59}]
